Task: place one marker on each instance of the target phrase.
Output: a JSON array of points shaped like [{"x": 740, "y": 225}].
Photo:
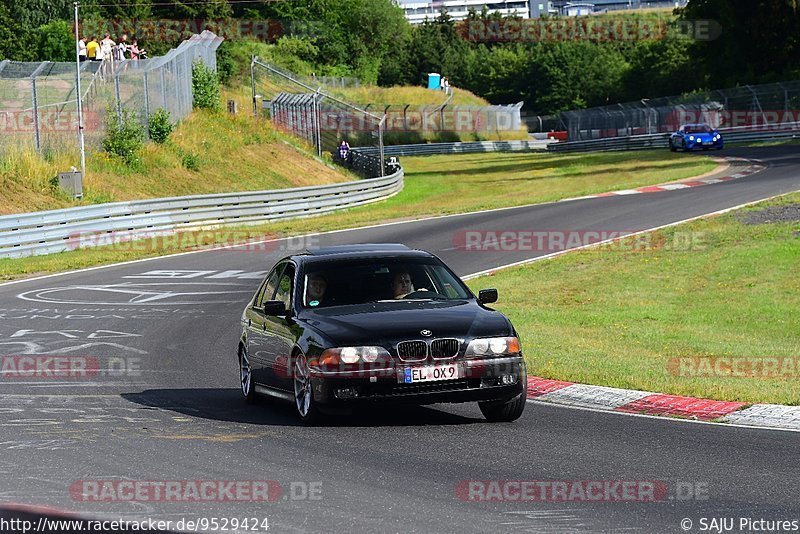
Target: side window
[
  {"x": 285, "y": 286},
  {"x": 268, "y": 289}
]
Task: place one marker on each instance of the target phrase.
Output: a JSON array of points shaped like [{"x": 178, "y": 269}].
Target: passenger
[{"x": 315, "y": 291}]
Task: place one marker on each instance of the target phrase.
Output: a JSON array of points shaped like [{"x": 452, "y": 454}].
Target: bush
[
  {"x": 124, "y": 136},
  {"x": 191, "y": 161},
  {"x": 205, "y": 87},
  {"x": 160, "y": 126}
]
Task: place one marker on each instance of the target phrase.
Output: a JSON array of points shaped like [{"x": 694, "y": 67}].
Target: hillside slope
[{"x": 208, "y": 153}]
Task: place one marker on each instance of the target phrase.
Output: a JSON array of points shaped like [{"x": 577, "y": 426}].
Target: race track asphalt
[{"x": 176, "y": 414}]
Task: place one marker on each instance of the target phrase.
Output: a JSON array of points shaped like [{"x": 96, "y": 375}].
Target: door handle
[
  {"x": 249, "y": 322},
  {"x": 264, "y": 327}
]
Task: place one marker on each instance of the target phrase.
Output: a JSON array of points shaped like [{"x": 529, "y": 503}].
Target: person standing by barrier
[
  {"x": 82, "y": 49},
  {"x": 121, "y": 48},
  {"x": 92, "y": 50},
  {"x": 107, "y": 52},
  {"x": 344, "y": 152},
  {"x": 134, "y": 50}
]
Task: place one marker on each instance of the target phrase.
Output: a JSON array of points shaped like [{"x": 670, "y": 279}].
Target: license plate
[{"x": 430, "y": 373}]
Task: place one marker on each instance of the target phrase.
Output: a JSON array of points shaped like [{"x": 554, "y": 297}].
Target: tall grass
[{"x": 209, "y": 152}]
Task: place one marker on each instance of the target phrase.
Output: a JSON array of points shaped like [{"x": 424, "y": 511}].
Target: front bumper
[
  {"x": 479, "y": 380},
  {"x": 692, "y": 145}
]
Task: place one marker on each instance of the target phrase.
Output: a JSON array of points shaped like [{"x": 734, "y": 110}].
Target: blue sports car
[{"x": 691, "y": 136}]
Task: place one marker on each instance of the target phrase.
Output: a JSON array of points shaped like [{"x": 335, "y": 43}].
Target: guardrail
[
  {"x": 458, "y": 148},
  {"x": 661, "y": 140},
  {"x": 47, "y": 232}
]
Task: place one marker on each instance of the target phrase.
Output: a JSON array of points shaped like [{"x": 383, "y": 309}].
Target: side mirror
[
  {"x": 487, "y": 296},
  {"x": 274, "y": 307}
]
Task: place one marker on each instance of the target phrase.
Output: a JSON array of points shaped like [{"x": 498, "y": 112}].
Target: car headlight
[
  {"x": 691, "y": 138},
  {"x": 339, "y": 355},
  {"x": 493, "y": 346}
]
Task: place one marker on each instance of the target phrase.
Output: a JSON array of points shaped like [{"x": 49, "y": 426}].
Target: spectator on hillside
[
  {"x": 93, "y": 50},
  {"x": 121, "y": 48},
  {"x": 107, "y": 48},
  {"x": 107, "y": 55},
  {"x": 134, "y": 50},
  {"x": 344, "y": 151},
  {"x": 82, "y": 49}
]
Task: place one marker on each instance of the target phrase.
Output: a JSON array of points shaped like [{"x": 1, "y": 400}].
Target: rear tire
[{"x": 504, "y": 412}]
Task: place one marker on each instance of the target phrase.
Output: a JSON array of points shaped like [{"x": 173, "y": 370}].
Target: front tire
[
  {"x": 246, "y": 377},
  {"x": 303, "y": 395},
  {"x": 504, "y": 412}
]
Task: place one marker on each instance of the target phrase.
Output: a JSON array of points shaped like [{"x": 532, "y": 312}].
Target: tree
[
  {"x": 573, "y": 74},
  {"x": 55, "y": 42},
  {"x": 7, "y": 34},
  {"x": 759, "y": 41},
  {"x": 208, "y": 10}
]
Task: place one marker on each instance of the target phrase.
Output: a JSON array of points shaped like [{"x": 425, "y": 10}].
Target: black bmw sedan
[{"x": 340, "y": 326}]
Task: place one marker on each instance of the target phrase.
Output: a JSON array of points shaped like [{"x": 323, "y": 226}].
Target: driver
[{"x": 401, "y": 284}]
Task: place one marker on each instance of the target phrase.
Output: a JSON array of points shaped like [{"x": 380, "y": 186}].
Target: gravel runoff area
[{"x": 773, "y": 214}]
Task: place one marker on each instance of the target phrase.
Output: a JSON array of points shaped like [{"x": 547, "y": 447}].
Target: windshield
[
  {"x": 341, "y": 283},
  {"x": 698, "y": 128}
]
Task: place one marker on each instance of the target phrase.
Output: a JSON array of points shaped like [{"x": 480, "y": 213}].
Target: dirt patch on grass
[{"x": 773, "y": 214}]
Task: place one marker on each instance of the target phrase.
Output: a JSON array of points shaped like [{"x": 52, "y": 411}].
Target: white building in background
[{"x": 417, "y": 11}]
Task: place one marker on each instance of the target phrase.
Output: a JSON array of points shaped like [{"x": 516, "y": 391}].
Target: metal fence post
[
  {"x": 318, "y": 117},
  {"x": 118, "y": 98},
  {"x": 380, "y": 144},
  {"x": 146, "y": 106},
  {"x": 36, "y": 139},
  {"x": 34, "y": 95},
  {"x": 163, "y": 87},
  {"x": 253, "y": 84}
]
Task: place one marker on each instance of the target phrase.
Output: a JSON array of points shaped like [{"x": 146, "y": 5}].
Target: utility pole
[{"x": 78, "y": 94}]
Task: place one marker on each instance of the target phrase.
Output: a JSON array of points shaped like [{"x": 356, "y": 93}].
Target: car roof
[
  {"x": 696, "y": 124},
  {"x": 361, "y": 251},
  {"x": 364, "y": 247}
]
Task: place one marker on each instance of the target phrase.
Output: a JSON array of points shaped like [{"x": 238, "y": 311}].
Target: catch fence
[
  {"x": 313, "y": 114},
  {"x": 769, "y": 107},
  {"x": 38, "y": 103}
]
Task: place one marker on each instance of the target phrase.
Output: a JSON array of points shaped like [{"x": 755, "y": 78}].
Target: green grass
[
  {"x": 399, "y": 96},
  {"x": 438, "y": 185},
  {"x": 616, "y": 317}
]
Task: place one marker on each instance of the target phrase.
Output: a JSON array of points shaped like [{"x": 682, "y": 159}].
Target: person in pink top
[{"x": 134, "y": 50}]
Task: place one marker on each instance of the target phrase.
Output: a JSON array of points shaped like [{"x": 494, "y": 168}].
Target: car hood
[{"x": 386, "y": 323}]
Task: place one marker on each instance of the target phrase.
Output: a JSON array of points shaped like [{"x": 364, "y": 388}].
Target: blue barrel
[{"x": 434, "y": 80}]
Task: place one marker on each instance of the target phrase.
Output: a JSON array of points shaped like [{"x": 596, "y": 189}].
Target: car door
[
  {"x": 281, "y": 333},
  {"x": 257, "y": 346}
]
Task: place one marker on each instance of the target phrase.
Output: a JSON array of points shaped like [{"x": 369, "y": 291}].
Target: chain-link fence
[
  {"x": 756, "y": 107},
  {"x": 38, "y": 104},
  {"x": 309, "y": 112},
  {"x": 332, "y": 82}
]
